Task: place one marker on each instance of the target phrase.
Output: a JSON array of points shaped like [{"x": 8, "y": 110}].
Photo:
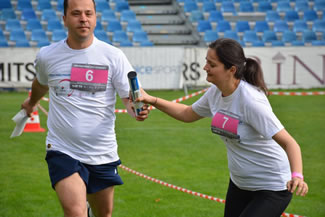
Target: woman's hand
[{"x": 299, "y": 185}]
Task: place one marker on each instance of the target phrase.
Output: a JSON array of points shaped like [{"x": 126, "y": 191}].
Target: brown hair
[
  {"x": 65, "y": 6},
  {"x": 231, "y": 53}
]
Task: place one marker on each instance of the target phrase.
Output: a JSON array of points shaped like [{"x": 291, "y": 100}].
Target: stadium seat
[
  {"x": 309, "y": 36},
  {"x": 246, "y": 7},
  {"x": 269, "y": 36},
  {"x": 132, "y": 26},
  {"x": 280, "y": 26},
  {"x": 299, "y": 26},
  {"x": 208, "y": 6},
  {"x": 48, "y": 14},
  {"x": 146, "y": 43},
  {"x": 59, "y": 6},
  {"x": 99, "y": 25},
  {"x": 196, "y": 15},
  {"x": 43, "y": 43},
  {"x": 319, "y": 5},
  {"x": 127, "y": 15},
  {"x": 119, "y": 36},
  {"x": 261, "y": 26},
  {"x": 7, "y": 13},
  {"x": 139, "y": 36},
  {"x": 298, "y": 43},
  {"x": 242, "y": 26},
  {"x": 12, "y": 24},
  {"x": 264, "y": 6},
  {"x": 215, "y": 16},
  {"x": 33, "y": 24},
  {"x": 28, "y": 13},
  {"x": 22, "y": 43},
  {"x": 5, "y": 4},
  {"x": 277, "y": 43},
  {"x": 190, "y": 6},
  {"x": 102, "y": 5},
  {"x": 272, "y": 16},
  {"x": 291, "y": 15},
  {"x": 126, "y": 44},
  {"x": 301, "y": 5},
  {"x": 101, "y": 35},
  {"x": 2, "y": 36},
  {"x": 43, "y": 5},
  {"x": 203, "y": 25},
  {"x": 120, "y": 6},
  {"x": 39, "y": 35},
  {"x": 310, "y": 15},
  {"x": 17, "y": 35},
  {"x": 289, "y": 36},
  {"x": 318, "y": 43},
  {"x": 228, "y": 7},
  {"x": 24, "y": 4},
  {"x": 223, "y": 25},
  {"x": 250, "y": 36},
  {"x": 108, "y": 15},
  {"x": 319, "y": 26},
  {"x": 54, "y": 24},
  {"x": 283, "y": 6},
  {"x": 58, "y": 35},
  {"x": 258, "y": 43},
  {"x": 210, "y": 35},
  {"x": 4, "y": 43},
  {"x": 231, "y": 34}
]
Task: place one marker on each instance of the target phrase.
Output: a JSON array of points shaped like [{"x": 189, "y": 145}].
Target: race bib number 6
[
  {"x": 89, "y": 77},
  {"x": 225, "y": 124}
]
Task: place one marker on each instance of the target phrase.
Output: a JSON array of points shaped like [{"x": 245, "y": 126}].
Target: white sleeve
[
  {"x": 41, "y": 73},
  {"x": 202, "y": 106}
]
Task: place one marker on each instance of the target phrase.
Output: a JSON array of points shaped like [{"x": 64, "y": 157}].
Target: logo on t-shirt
[{"x": 225, "y": 124}]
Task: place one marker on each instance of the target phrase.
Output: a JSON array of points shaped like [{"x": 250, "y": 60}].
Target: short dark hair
[{"x": 65, "y": 6}]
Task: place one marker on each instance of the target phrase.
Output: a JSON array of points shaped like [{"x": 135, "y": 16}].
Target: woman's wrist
[
  {"x": 154, "y": 101},
  {"x": 297, "y": 174}
]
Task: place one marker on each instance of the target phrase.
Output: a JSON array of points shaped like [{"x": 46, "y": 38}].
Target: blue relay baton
[{"x": 135, "y": 91}]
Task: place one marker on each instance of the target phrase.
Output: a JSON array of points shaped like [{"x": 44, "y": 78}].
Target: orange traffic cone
[{"x": 33, "y": 124}]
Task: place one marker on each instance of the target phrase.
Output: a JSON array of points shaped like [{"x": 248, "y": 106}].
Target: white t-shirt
[
  {"x": 246, "y": 123},
  {"x": 81, "y": 119}
]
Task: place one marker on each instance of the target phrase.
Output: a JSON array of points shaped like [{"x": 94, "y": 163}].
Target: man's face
[{"x": 80, "y": 19}]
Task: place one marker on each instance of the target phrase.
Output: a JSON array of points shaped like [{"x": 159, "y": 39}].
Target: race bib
[
  {"x": 87, "y": 77},
  {"x": 225, "y": 124}
]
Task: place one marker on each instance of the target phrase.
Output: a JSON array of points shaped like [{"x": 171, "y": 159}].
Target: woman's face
[{"x": 216, "y": 72}]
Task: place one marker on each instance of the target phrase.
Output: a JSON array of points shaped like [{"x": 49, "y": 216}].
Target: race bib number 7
[
  {"x": 89, "y": 77},
  {"x": 225, "y": 124}
]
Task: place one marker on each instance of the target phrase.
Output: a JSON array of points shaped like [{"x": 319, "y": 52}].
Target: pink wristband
[{"x": 296, "y": 174}]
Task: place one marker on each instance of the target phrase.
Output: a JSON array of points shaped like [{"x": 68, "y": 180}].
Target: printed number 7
[{"x": 224, "y": 123}]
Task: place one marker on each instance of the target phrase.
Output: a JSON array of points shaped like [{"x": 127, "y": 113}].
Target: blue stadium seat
[
  {"x": 319, "y": 5},
  {"x": 319, "y": 26},
  {"x": 283, "y": 6},
  {"x": 139, "y": 36},
  {"x": 120, "y": 6},
  {"x": 22, "y": 43},
  {"x": 48, "y": 14},
  {"x": 8, "y": 13},
  {"x": 58, "y": 35},
  {"x": 289, "y": 36},
  {"x": 272, "y": 16},
  {"x": 210, "y": 36},
  {"x": 33, "y": 24},
  {"x": 246, "y": 7},
  {"x": 196, "y": 15},
  {"x": 2, "y": 36},
  {"x": 261, "y": 26},
  {"x": 310, "y": 15},
  {"x": 12, "y": 24},
  {"x": 228, "y": 7},
  {"x": 43, "y": 43},
  {"x": 231, "y": 34},
  {"x": 120, "y": 36},
  {"x": 4, "y": 43},
  {"x": 54, "y": 24},
  {"x": 299, "y": 26},
  {"x": 43, "y": 5},
  {"x": 108, "y": 15},
  {"x": 99, "y": 25},
  {"x": 28, "y": 13},
  {"x": 308, "y": 36},
  {"x": 277, "y": 44},
  {"x": 269, "y": 36},
  {"x": 190, "y": 6},
  {"x": 132, "y": 26},
  {"x": 301, "y": 5},
  {"x": 17, "y": 35},
  {"x": 208, "y": 6},
  {"x": 215, "y": 16},
  {"x": 223, "y": 25},
  {"x": 242, "y": 26},
  {"x": 146, "y": 43},
  {"x": 126, "y": 44},
  {"x": 318, "y": 43},
  {"x": 264, "y": 6},
  {"x": 102, "y": 35},
  {"x": 250, "y": 36},
  {"x": 203, "y": 25},
  {"x": 5, "y": 4},
  {"x": 24, "y": 4},
  {"x": 258, "y": 43},
  {"x": 59, "y": 6},
  {"x": 102, "y": 5},
  {"x": 280, "y": 26},
  {"x": 127, "y": 15},
  {"x": 39, "y": 35},
  {"x": 291, "y": 15}
]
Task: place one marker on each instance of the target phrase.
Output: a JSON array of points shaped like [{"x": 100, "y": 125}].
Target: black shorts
[
  {"x": 255, "y": 203},
  {"x": 96, "y": 177}
]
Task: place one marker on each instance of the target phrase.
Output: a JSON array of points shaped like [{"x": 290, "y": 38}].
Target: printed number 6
[
  {"x": 224, "y": 123},
  {"x": 89, "y": 75}
]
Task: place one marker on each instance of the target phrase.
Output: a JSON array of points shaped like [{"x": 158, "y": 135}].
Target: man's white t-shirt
[
  {"x": 82, "y": 87},
  {"x": 246, "y": 123}
]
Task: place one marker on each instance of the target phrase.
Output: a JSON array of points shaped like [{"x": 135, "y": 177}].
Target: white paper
[{"x": 20, "y": 119}]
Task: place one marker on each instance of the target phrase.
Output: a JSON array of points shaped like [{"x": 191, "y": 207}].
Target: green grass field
[{"x": 186, "y": 155}]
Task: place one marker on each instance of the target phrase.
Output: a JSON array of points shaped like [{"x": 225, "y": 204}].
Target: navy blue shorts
[{"x": 96, "y": 177}]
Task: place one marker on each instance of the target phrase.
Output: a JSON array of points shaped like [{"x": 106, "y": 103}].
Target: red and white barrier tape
[
  {"x": 314, "y": 93},
  {"x": 186, "y": 190}
]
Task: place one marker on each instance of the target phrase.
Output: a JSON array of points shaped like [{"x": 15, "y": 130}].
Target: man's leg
[
  {"x": 71, "y": 192},
  {"x": 101, "y": 202}
]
